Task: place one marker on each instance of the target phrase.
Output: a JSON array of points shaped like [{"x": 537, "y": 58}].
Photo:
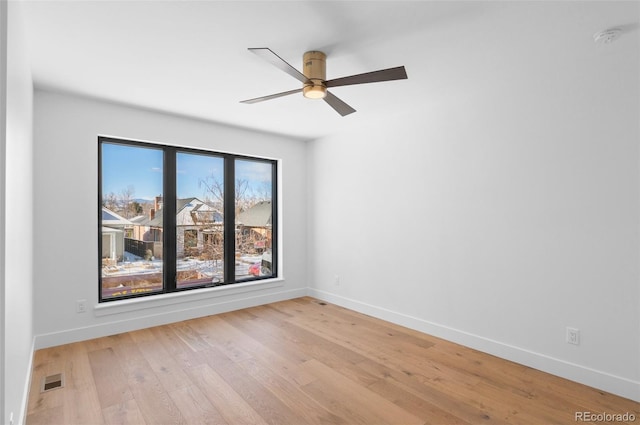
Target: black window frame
[{"x": 169, "y": 234}]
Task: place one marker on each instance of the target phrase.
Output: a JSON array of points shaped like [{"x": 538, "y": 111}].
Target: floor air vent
[{"x": 52, "y": 382}]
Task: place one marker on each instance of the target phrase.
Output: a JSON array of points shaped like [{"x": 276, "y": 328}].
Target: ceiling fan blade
[
  {"x": 268, "y": 55},
  {"x": 271, "y": 96},
  {"x": 337, "y": 104},
  {"x": 390, "y": 74}
]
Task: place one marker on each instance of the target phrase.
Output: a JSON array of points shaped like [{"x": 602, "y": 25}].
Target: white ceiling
[{"x": 191, "y": 57}]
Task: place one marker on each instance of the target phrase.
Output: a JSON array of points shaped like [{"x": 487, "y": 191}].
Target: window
[
  {"x": 173, "y": 219},
  {"x": 254, "y": 217}
]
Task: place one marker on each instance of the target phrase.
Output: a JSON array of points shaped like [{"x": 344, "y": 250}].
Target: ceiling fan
[{"x": 314, "y": 82}]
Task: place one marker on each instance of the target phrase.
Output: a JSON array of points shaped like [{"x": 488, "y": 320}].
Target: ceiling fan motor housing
[{"x": 315, "y": 69}]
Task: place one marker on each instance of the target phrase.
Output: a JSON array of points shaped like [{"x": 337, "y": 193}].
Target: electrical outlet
[
  {"x": 336, "y": 280},
  {"x": 11, "y": 419},
  {"x": 573, "y": 336},
  {"x": 81, "y": 306}
]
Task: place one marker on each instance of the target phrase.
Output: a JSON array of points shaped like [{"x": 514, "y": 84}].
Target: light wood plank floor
[{"x": 298, "y": 362}]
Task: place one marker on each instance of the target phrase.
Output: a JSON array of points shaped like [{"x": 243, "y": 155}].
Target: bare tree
[
  {"x": 213, "y": 190},
  {"x": 110, "y": 201},
  {"x": 265, "y": 191},
  {"x": 242, "y": 189},
  {"x": 126, "y": 198}
]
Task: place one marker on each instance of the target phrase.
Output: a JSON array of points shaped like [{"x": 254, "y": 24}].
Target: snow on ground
[{"x": 133, "y": 264}]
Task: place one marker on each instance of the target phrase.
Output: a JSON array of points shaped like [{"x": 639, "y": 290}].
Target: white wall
[
  {"x": 18, "y": 213},
  {"x": 66, "y": 130},
  {"x": 507, "y": 208},
  {"x": 3, "y": 162}
]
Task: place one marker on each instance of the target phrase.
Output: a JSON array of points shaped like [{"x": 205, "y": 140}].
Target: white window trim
[{"x": 181, "y": 297}]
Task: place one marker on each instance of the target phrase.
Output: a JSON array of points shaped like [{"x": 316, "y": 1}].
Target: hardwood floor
[{"x": 298, "y": 362}]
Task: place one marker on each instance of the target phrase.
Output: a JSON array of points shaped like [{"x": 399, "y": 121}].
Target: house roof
[
  {"x": 110, "y": 230},
  {"x": 184, "y": 202},
  {"x": 156, "y": 222},
  {"x": 112, "y": 219},
  {"x": 140, "y": 220},
  {"x": 259, "y": 215},
  {"x": 194, "y": 205}
]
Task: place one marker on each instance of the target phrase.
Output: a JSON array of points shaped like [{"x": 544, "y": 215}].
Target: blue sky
[
  {"x": 124, "y": 166},
  {"x": 193, "y": 168},
  {"x": 141, "y": 168}
]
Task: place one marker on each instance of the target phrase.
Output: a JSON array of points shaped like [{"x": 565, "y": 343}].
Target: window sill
[{"x": 162, "y": 300}]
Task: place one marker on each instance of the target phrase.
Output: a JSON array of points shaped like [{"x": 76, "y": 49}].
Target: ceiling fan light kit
[{"x": 314, "y": 78}]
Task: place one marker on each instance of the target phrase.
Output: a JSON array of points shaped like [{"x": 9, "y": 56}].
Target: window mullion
[
  {"x": 169, "y": 219},
  {"x": 229, "y": 220}
]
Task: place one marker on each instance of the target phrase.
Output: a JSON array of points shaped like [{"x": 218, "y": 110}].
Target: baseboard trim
[
  {"x": 594, "y": 378},
  {"x": 162, "y": 318}
]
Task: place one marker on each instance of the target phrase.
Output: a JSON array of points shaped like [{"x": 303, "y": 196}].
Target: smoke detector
[{"x": 607, "y": 36}]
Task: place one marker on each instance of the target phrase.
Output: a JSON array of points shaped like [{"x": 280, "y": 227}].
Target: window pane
[
  {"x": 254, "y": 213},
  {"x": 131, "y": 220},
  {"x": 199, "y": 220}
]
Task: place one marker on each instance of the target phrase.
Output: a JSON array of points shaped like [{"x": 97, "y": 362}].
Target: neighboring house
[
  {"x": 114, "y": 230},
  {"x": 199, "y": 228},
  {"x": 141, "y": 226},
  {"x": 148, "y": 228},
  {"x": 254, "y": 227},
  {"x": 198, "y": 225}
]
